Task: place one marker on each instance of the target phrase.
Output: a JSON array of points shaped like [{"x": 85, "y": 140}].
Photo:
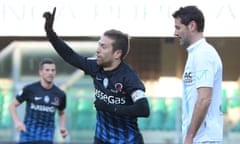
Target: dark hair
[
  {"x": 121, "y": 41},
  {"x": 188, "y": 14},
  {"x": 45, "y": 61}
]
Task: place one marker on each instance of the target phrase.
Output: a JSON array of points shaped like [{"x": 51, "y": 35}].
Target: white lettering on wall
[{"x": 93, "y": 17}]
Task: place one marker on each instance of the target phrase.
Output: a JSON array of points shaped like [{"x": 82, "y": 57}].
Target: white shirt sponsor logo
[
  {"x": 109, "y": 99},
  {"x": 37, "y": 98},
  {"x": 44, "y": 108}
]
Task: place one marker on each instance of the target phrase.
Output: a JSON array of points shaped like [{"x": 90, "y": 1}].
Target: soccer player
[
  {"x": 43, "y": 99},
  {"x": 202, "y": 121},
  {"x": 119, "y": 92}
]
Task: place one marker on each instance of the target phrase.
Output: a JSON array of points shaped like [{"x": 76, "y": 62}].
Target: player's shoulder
[
  {"x": 127, "y": 69},
  {"x": 58, "y": 90},
  {"x": 127, "y": 73},
  {"x": 32, "y": 85}
]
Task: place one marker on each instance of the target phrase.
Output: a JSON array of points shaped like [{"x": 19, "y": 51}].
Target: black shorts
[{"x": 98, "y": 141}]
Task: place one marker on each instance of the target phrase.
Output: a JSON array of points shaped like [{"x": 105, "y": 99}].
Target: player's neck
[
  {"x": 196, "y": 37},
  {"x": 113, "y": 66},
  {"x": 46, "y": 85}
]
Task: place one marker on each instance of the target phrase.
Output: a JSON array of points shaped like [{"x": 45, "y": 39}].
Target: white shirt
[{"x": 203, "y": 69}]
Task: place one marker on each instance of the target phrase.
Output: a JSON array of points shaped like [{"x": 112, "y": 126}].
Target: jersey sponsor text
[
  {"x": 109, "y": 99},
  {"x": 50, "y": 109}
]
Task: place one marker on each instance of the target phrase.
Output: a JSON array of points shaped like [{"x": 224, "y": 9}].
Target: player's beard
[
  {"x": 184, "y": 42},
  {"x": 46, "y": 83},
  {"x": 104, "y": 64},
  {"x": 48, "y": 80}
]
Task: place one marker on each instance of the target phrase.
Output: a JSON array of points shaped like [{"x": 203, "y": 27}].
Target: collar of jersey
[{"x": 195, "y": 45}]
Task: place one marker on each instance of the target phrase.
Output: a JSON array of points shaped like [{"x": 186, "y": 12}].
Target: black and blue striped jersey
[
  {"x": 116, "y": 87},
  {"x": 113, "y": 87},
  {"x": 41, "y": 105}
]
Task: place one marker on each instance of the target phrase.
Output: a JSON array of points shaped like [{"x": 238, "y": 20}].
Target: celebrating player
[{"x": 119, "y": 92}]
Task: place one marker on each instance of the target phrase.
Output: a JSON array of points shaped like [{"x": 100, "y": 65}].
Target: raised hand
[{"x": 49, "y": 20}]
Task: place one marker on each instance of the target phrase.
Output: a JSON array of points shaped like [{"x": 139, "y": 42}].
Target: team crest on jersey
[
  {"x": 118, "y": 87},
  {"x": 188, "y": 77},
  {"x": 105, "y": 82},
  {"x": 56, "y": 101},
  {"x": 46, "y": 99}
]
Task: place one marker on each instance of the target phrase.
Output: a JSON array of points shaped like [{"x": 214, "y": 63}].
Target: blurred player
[
  {"x": 42, "y": 99},
  {"x": 119, "y": 92},
  {"x": 202, "y": 121}
]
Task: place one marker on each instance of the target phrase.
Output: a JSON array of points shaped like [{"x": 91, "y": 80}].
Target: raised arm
[{"x": 62, "y": 48}]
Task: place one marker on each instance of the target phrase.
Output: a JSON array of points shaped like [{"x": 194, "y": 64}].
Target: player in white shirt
[{"x": 202, "y": 118}]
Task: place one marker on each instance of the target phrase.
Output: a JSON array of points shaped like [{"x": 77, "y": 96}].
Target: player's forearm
[
  {"x": 200, "y": 110},
  {"x": 62, "y": 120},
  {"x": 13, "y": 113},
  {"x": 139, "y": 109},
  {"x": 60, "y": 46},
  {"x": 66, "y": 52}
]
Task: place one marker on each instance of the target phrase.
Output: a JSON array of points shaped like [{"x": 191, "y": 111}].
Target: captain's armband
[{"x": 138, "y": 94}]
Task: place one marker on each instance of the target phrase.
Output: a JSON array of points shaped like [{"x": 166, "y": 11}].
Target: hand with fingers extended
[{"x": 49, "y": 17}]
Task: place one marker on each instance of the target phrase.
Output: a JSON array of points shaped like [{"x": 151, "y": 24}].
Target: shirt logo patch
[
  {"x": 46, "y": 99},
  {"x": 201, "y": 75},
  {"x": 105, "y": 82},
  {"x": 118, "y": 87},
  {"x": 188, "y": 77},
  {"x": 98, "y": 78},
  {"x": 37, "y": 98},
  {"x": 56, "y": 101}
]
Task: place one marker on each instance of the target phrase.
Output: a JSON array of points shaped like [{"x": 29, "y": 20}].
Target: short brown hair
[
  {"x": 45, "y": 61},
  {"x": 188, "y": 14},
  {"x": 121, "y": 41}
]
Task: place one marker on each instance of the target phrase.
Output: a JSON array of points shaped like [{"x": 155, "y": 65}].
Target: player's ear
[
  {"x": 192, "y": 25},
  {"x": 118, "y": 54},
  {"x": 40, "y": 72}
]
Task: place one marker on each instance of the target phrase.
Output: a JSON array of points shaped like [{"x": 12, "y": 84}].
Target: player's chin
[
  {"x": 99, "y": 62},
  {"x": 181, "y": 42}
]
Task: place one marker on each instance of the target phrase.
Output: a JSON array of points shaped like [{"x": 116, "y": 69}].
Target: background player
[
  {"x": 42, "y": 99},
  {"x": 120, "y": 94},
  {"x": 202, "y": 121}
]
